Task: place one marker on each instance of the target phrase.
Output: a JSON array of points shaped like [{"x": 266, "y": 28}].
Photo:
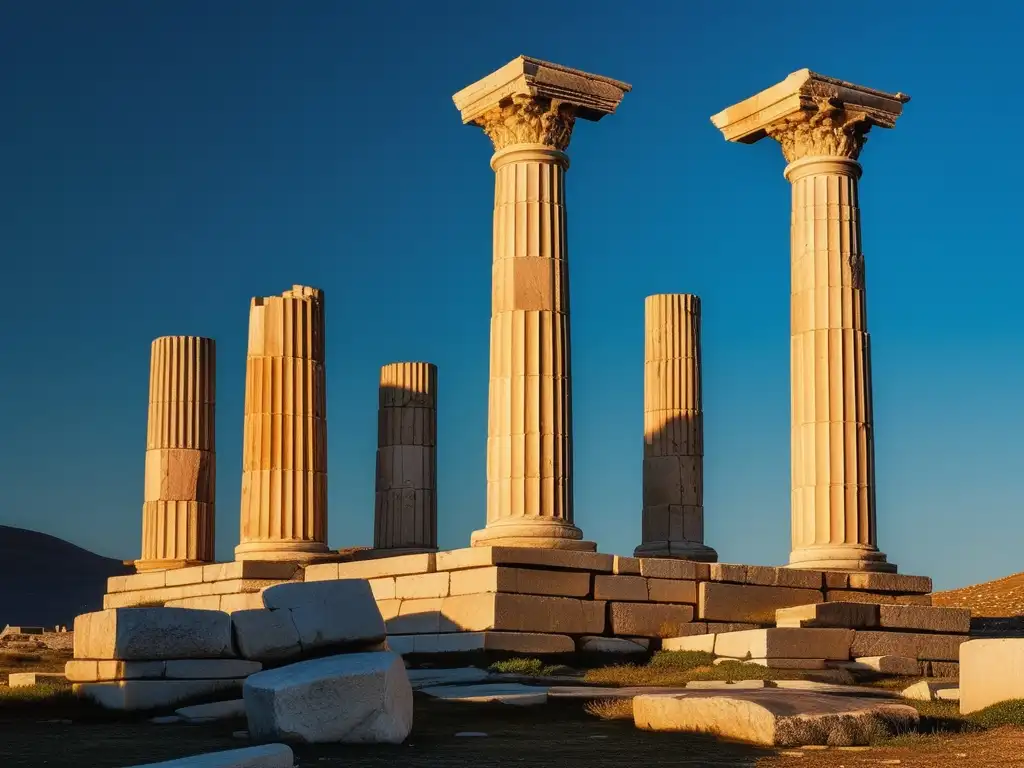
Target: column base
[
  {"x": 290, "y": 551},
  {"x": 537, "y": 533},
  {"x": 840, "y": 558},
  {"x": 679, "y": 550},
  {"x": 166, "y": 565}
]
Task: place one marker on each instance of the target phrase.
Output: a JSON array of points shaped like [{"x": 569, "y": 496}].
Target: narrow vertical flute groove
[
  {"x": 284, "y": 451},
  {"x": 673, "y": 468},
  {"x": 178, "y": 510},
  {"x": 405, "y": 509}
]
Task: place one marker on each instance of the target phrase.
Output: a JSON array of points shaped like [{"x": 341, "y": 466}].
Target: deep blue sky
[{"x": 163, "y": 162}]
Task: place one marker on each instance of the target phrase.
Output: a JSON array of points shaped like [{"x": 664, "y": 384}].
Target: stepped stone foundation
[{"x": 532, "y": 600}]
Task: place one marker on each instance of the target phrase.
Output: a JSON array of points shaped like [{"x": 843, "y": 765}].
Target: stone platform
[{"x": 534, "y": 600}]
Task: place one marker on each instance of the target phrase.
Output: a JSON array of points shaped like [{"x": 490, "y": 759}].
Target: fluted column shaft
[
  {"x": 833, "y": 462},
  {"x": 178, "y": 510},
  {"x": 529, "y": 437},
  {"x": 284, "y": 451},
  {"x": 673, "y": 469},
  {"x": 405, "y": 510}
]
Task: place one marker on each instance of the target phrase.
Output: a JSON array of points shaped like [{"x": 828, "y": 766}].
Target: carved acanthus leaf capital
[
  {"x": 529, "y": 120},
  {"x": 829, "y": 129}
]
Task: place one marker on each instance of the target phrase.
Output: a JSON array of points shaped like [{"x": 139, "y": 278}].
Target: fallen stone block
[
  {"x": 991, "y": 671},
  {"x": 829, "y": 615},
  {"x": 133, "y": 695},
  {"x": 354, "y": 698},
  {"x": 329, "y": 614},
  {"x": 208, "y": 713},
  {"x": 929, "y": 690},
  {"x": 265, "y": 756},
  {"x": 785, "y": 643},
  {"x": 153, "y": 634},
  {"x": 885, "y": 665},
  {"x": 748, "y": 603},
  {"x": 952, "y": 621},
  {"x": 775, "y": 718},
  {"x": 505, "y": 693},
  {"x": 28, "y": 679},
  {"x": 613, "y": 645},
  {"x": 920, "y": 646},
  {"x": 266, "y": 636},
  {"x": 648, "y": 619}
]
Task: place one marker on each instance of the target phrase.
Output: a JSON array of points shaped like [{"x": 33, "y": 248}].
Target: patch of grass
[
  {"x": 681, "y": 660},
  {"x": 610, "y": 709},
  {"x": 1004, "y": 713},
  {"x": 521, "y": 666}
]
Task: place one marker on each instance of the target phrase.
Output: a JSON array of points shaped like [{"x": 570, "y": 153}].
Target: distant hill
[
  {"x": 46, "y": 581},
  {"x": 996, "y": 599}
]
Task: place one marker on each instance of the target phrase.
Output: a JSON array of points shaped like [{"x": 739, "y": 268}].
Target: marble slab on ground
[
  {"x": 774, "y": 717},
  {"x": 506, "y": 693},
  {"x": 208, "y": 713},
  {"x": 427, "y": 678},
  {"x": 265, "y": 756}
]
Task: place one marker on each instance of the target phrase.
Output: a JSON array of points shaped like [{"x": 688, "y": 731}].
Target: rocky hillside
[
  {"x": 46, "y": 581},
  {"x": 1002, "y": 598}
]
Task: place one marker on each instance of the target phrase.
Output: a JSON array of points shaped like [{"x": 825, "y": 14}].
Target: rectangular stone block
[
  {"x": 648, "y": 619},
  {"x": 481, "y": 557},
  {"x": 399, "y": 565},
  {"x": 29, "y": 679},
  {"x": 835, "y": 615},
  {"x": 749, "y": 603},
  {"x": 463, "y": 642},
  {"x": 837, "y": 580},
  {"x": 705, "y": 643},
  {"x": 209, "y": 669},
  {"x": 951, "y": 621},
  {"x": 116, "y": 584},
  {"x": 527, "y": 581},
  {"x": 785, "y": 643},
  {"x": 92, "y": 670},
  {"x": 716, "y": 627},
  {"x": 671, "y": 591},
  {"x": 133, "y": 695},
  {"x": 243, "y": 601},
  {"x": 991, "y": 671},
  {"x": 320, "y": 572},
  {"x": 914, "y": 600},
  {"x": 201, "y": 603},
  {"x": 181, "y": 576},
  {"x": 730, "y": 572},
  {"x": 240, "y": 586},
  {"x": 523, "y": 613},
  {"x": 666, "y": 568},
  {"x": 626, "y": 566},
  {"x": 854, "y": 596},
  {"x": 788, "y": 663},
  {"x": 136, "y": 581},
  {"x": 620, "y": 588},
  {"x": 768, "y": 576},
  {"x": 421, "y": 585},
  {"x": 414, "y": 617},
  {"x": 944, "y": 669},
  {"x": 916, "y": 646},
  {"x": 383, "y": 589},
  {"x": 891, "y": 582},
  {"x": 153, "y": 634},
  {"x": 250, "y": 569}
]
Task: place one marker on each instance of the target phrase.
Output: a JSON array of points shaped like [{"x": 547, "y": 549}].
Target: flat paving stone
[
  {"x": 506, "y": 693},
  {"x": 774, "y": 717},
  {"x": 428, "y": 678}
]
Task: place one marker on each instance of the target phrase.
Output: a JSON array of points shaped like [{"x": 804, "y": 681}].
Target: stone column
[
  {"x": 180, "y": 488},
  {"x": 405, "y": 511},
  {"x": 528, "y": 109},
  {"x": 673, "y": 479},
  {"x": 284, "y": 449},
  {"x": 821, "y": 124}
]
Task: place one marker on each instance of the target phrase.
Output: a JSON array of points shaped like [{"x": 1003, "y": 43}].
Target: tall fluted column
[
  {"x": 528, "y": 110},
  {"x": 673, "y": 474},
  {"x": 405, "y": 512},
  {"x": 180, "y": 489},
  {"x": 833, "y": 458},
  {"x": 284, "y": 450}
]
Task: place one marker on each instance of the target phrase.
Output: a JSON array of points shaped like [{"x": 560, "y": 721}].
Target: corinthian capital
[
  {"x": 831, "y": 128},
  {"x": 529, "y": 120},
  {"x": 529, "y": 101},
  {"x": 811, "y": 114}
]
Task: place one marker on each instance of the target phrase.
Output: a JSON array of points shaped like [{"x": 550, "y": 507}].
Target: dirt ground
[{"x": 559, "y": 735}]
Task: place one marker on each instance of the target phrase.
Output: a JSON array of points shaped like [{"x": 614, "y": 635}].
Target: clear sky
[{"x": 163, "y": 162}]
